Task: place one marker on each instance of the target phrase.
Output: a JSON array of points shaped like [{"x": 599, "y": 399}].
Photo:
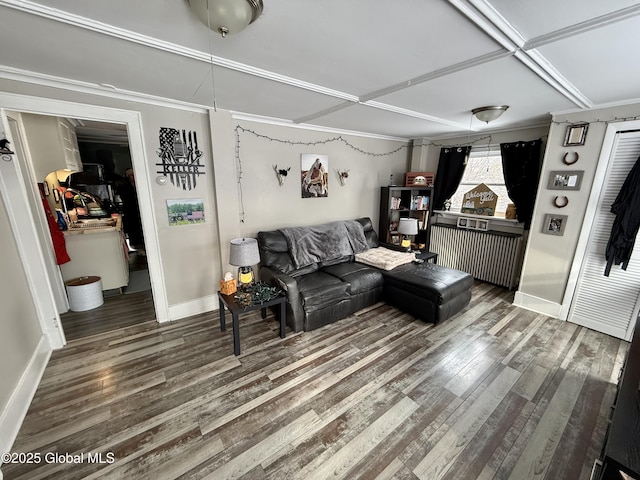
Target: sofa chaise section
[{"x": 323, "y": 289}]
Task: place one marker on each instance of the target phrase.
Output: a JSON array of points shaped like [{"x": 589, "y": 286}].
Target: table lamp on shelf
[
  {"x": 406, "y": 227},
  {"x": 244, "y": 254}
]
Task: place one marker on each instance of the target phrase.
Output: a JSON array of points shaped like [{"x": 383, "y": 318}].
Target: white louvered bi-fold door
[{"x": 609, "y": 304}]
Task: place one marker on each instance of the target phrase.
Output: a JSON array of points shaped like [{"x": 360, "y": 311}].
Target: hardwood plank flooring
[
  {"x": 118, "y": 310},
  {"x": 494, "y": 392}
]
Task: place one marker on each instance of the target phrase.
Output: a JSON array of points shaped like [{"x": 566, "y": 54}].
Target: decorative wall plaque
[
  {"x": 480, "y": 201},
  {"x": 180, "y": 157}
]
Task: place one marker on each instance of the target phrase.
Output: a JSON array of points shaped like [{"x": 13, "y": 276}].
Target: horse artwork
[{"x": 314, "y": 176}]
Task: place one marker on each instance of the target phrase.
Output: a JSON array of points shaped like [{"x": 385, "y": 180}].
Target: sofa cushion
[
  {"x": 319, "y": 289},
  {"x": 384, "y": 258},
  {"x": 361, "y": 278}
]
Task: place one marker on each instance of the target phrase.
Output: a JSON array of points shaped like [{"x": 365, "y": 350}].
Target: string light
[
  {"x": 318, "y": 142},
  {"x": 239, "y": 129},
  {"x": 340, "y": 138},
  {"x": 606, "y": 122}
]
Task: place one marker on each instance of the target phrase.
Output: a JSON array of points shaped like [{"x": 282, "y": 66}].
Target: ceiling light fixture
[
  {"x": 488, "y": 114},
  {"x": 226, "y": 16}
]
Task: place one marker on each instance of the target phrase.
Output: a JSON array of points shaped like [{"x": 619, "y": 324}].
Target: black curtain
[
  {"x": 451, "y": 165},
  {"x": 521, "y": 163}
]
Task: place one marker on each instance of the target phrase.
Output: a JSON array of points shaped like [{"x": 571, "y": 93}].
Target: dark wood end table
[
  {"x": 426, "y": 256},
  {"x": 229, "y": 302}
]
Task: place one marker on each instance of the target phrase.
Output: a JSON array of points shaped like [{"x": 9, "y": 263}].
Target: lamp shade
[
  {"x": 244, "y": 252},
  {"x": 488, "y": 114},
  {"x": 227, "y": 16},
  {"x": 408, "y": 226}
]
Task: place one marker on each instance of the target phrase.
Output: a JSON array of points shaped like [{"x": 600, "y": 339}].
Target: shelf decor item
[
  {"x": 480, "y": 200},
  {"x": 473, "y": 224},
  {"x": 228, "y": 284},
  {"x": 419, "y": 179}
]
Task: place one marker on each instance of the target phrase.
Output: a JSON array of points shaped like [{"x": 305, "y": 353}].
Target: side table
[
  {"x": 229, "y": 302},
  {"x": 426, "y": 256}
]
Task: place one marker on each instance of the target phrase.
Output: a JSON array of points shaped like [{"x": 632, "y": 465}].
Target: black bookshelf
[{"x": 405, "y": 202}]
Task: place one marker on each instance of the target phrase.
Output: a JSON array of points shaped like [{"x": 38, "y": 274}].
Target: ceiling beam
[{"x": 496, "y": 26}]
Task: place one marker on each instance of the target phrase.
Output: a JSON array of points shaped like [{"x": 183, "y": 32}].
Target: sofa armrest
[
  {"x": 295, "y": 313},
  {"x": 394, "y": 247}
]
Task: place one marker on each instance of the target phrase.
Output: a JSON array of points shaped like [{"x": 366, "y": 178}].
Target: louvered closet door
[{"x": 608, "y": 304}]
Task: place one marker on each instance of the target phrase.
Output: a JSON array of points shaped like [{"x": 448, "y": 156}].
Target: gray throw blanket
[{"x": 319, "y": 243}]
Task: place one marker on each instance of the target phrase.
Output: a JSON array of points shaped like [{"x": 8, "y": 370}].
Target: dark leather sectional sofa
[{"x": 322, "y": 292}]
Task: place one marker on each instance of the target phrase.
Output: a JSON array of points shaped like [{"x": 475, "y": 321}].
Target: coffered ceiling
[{"x": 407, "y": 68}]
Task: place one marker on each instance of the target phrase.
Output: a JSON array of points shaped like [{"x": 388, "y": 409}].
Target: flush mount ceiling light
[
  {"x": 487, "y": 114},
  {"x": 226, "y": 16}
]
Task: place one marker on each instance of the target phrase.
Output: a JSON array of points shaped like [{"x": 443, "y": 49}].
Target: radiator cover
[{"x": 492, "y": 257}]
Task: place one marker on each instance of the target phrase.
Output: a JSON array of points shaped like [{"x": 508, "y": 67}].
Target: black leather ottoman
[{"x": 427, "y": 291}]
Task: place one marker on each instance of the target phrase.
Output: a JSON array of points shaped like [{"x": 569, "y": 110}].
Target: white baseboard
[
  {"x": 193, "y": 307},
  {"x": 13, "y": 415},
  {"x": 538, "y": 305}
]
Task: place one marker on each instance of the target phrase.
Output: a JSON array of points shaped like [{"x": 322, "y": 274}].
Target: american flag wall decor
[{"x": 180, "y": 157}]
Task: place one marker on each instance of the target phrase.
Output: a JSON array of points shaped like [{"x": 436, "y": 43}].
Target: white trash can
[{"x": 84, "y": 293}]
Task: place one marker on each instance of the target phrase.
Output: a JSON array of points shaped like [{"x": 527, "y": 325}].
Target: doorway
[
  {"x": 104, "y": 148},
  {"x": 607, "y": 304},
  {"x": 33, "y": 253}
]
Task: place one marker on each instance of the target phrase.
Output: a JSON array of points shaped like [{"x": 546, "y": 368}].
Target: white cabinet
[
  {"x": 52, "y": 143},
  {"x": 69, "y": 142}
]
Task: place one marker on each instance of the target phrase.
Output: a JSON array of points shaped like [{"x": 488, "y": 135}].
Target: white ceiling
[{"x": 403, "y": 68}]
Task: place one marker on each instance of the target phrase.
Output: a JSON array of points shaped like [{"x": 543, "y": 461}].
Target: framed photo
[
  {"x": 186, "y": 211},
  {"x": 554, "y": 224},
  {"x": 576, "y": 134},
  {"x": 565, "y": 180},
  {"x": 45, "y": 188},
  {"x": 56, "y": 195},
  {"x": 314, "y": 181}
]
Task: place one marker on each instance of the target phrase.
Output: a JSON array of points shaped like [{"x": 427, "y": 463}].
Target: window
[{"x": 483, "y": 166}]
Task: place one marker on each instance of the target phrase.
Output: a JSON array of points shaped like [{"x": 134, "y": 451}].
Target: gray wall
[
  {"x": 195, "y": 256},
  {"x": 267, "y": 205},
  {"x": 549, "y": 258},
  {"x": 19, "y": 325}
]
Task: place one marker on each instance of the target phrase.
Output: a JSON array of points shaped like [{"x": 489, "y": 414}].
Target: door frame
[
  {"x": 606, "y": 153},
  {"x": 133, "y": 121}
]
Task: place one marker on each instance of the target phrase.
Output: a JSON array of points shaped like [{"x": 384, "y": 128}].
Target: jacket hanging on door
[{"x": 627, "y": 222}]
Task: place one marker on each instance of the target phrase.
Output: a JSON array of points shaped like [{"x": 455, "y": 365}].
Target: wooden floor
[
  {"x": 494, "y": 392},
  {"x": 118, "y": 311}
]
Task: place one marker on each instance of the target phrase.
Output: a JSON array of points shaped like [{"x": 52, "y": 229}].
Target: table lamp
[
  {"x": 406, "y": 227},
  {"x": 244, "y": 254}
]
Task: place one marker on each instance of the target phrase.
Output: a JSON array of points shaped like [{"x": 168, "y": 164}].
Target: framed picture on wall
[
  {"x": 314, "y": 179},
  {"x": 187, "y": 211},
  {"x": 565, "y": 180},
  {"x": 554, "y": 224},
  {"x": 576, "y": 134}
]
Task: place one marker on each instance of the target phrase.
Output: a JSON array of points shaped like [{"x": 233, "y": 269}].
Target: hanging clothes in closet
[{"x": 627, "y": 222}]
